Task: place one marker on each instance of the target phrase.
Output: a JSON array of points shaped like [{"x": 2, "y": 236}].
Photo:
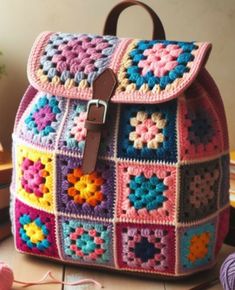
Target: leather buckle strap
[
  {"x": 98, "y": 102},
  {"x": 103, "y": 89}
]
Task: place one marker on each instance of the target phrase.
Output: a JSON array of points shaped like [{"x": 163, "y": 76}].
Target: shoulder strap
[{"x": 110, "y": 26}]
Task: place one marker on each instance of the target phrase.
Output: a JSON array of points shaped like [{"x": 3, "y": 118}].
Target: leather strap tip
[{"x": 85, "y": 171}]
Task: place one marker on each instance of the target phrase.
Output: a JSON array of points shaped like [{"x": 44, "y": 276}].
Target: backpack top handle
[{"x": 110, "y": 26}]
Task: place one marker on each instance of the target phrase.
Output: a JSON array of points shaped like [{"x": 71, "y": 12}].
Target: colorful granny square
[
  {"x": 85, "y": 194},
  {"x": 34, "y": 177},
  {"x": 146, "y": 247},
  {"x": 197, "y": 245},
  {"x": 35, "y": 231},
  {"x": 75, "y": 60},
  {"x": 86, "y": 241},
  {"x": 222, "y": 229},
  {"x": 200, "y": 133},
  {"x": 225, "y": 180},
  {"x": 154, "y": 65},
  {"x": 148, "y": 132},
  {"x": 41, "y": 123},
  {"x": 199, "y": 189},
  {"x": 146, "y": 192},
  {"x": 74, "y": 132}
]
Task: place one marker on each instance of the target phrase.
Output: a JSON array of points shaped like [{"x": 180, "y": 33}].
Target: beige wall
[{"x": 22, "y": 20}]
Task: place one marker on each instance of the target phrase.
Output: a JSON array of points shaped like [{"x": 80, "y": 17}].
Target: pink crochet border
[{"x": 119, "y": 97}]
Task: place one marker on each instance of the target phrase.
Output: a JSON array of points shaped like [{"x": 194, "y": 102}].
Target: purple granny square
[{"x": 85, "y": 194}]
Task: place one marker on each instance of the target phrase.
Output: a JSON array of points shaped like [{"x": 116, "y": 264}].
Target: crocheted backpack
[{"x": 120, "y": 153}]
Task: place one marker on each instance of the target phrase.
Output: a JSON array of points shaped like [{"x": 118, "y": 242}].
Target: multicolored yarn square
[
  {"x": 86, "y": 241},
  {"x": 197, "y": 246},
  {"x": 148, "y": 132},
  {"x": 34, "y": 177},
  {"x": 74, "y": 132},
  {"x": 146, "y": 192},
  {"x": 35, "y": 231},
  {"x": 199, "y": 188},
  {"x": 145, "y": 247},
  {"x": 152, "y": 66},
  {"x": 42, "y": 121},
  {"x": 225, "y": 180},
  {"x": 222, "y": 229},
  {"x": 199, "y": 130},
  {"x": 85, "y": 194},
  {"x": 75, "y": 60}
]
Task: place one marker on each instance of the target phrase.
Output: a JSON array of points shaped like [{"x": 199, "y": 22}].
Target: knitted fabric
[
  {"x": 147, "y": 192},
  {"x": 197, "y": 246},
  {"x": 75, "y": 60},
  {"x": 148, "y": 132},
  {"x": 86, "y": 242},
  {"x": 34, "y": 181},
  {"x": 199, "y": 190},
  {"x": 157, "y": 201},
  {"x": 35, "y": 231},
  {"x": 66, "y": 64},
  {"x": 90, "y": 194},
  {"x": 147, "y": 247},
  {"x": 42, "y": 120},
  {"x": 74, "y": 133}
]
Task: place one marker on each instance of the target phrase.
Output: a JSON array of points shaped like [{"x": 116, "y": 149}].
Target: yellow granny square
[{"x": 34, "y": 177}]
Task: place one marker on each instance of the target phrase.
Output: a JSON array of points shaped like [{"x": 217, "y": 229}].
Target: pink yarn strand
[{"x": 43, "y": 281}]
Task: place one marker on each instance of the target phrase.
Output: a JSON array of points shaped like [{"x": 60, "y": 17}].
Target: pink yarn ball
[{"x": 6, "y": 277}]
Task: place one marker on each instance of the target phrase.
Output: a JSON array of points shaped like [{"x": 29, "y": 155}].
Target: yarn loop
[{"x": 7, "y": 279}]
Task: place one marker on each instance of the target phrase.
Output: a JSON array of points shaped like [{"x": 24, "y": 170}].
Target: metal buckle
[{"x": 98, "y": 102}]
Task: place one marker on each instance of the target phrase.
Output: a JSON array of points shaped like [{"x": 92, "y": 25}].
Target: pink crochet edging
[{"x": 119, "y": 97}]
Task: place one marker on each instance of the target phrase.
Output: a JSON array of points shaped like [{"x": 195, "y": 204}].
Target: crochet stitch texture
[{"x": 157, "y": 201}]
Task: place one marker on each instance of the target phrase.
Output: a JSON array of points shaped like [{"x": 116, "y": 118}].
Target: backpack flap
[{"x": 147, "y": 71}]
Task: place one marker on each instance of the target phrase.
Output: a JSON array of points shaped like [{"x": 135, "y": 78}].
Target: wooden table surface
[{"x": 32, "y": 268}]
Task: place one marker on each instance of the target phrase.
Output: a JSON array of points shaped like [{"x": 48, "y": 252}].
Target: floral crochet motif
[
  {"x": 199, "y": 128},
  {"x": 34, "y": 233},
  {"x": 198, "y": 248},
  {"x": 151, "y": 66},
  {"x": 145, "y": 246},
  {"x": 201, "y": 188},
  {"x": 33, "y": 177},
  {"x": 86, "y": 241},
  {"x": 160, "y": 59},
  {"x": 146, "y": 193},
  {"x": 86, "y": 188},
  {"x": 85, "y": 194},
  {"x": 78, "y": 132},
  {"x": 75, "y": 60},
  {"x": 43, "y": 115},
  {"x": 147, "y": 130}
]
